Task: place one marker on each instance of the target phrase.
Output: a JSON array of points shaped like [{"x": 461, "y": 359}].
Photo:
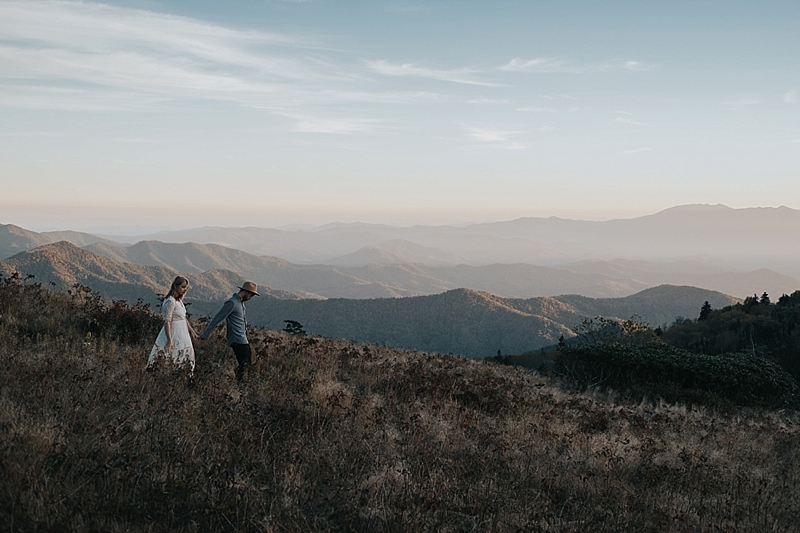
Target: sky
[{"x": 156, "y": 114}]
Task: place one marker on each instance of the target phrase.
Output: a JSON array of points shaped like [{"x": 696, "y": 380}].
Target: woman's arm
[
  {"x": 168, "y": 332},
  {"x": 167, "y": 308}
]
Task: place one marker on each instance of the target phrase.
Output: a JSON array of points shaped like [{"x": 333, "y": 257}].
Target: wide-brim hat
[{"x": 250, "y": 287}]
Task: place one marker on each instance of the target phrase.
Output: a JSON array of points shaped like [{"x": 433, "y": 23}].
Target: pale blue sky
[{"x": 178, "y": 114}]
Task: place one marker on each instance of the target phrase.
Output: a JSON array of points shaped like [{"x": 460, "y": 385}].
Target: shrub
[
  {"x": 678, "y": 375},
  {"x": 29, "y": 310}
]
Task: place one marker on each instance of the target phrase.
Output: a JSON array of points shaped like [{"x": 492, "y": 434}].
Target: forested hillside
[
  {"x": 472, "y": 323},
  {"x": 757, "y": 326},
  {"x": 747, "y": 353}
]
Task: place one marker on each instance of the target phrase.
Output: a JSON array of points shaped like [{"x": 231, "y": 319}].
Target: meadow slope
[{"x": 330, "y": 435}]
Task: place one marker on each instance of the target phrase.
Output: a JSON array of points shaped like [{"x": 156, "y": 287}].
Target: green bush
[{"x": 656, "y": 369}]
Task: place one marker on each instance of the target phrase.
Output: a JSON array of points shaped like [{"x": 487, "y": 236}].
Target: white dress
[{"x": 182, "y": 350}]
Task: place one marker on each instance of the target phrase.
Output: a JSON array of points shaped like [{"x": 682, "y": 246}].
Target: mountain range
[
  {"x": 462, "y": 321},
  {"x": 473, "y": 323},
  {"x": 392, "y": 279},
  {"x": 736, "y": 239},
  {"x": 471, "y": 289},
  {"x": 63, "y": 265},
  {"x": 14, "y": 239},
  {"x": 734, "y": 251}
]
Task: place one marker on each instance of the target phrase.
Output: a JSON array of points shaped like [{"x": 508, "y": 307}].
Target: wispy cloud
[
  {"x": 305, "y": 123},
  {"x": 534, "y": 109},
  {"x": 383, "y": 97},
  {"x": 339, "y": 127},
  {"x": 790, "y": 97},
  {"x": 100, "y": 29},
  {"x": 136, "y": 140},
  {"x": 631, "y": 122},
  {"x": 635, "y": 65},
  {"x": 465, "y": 75},
  {"x": 541, "y": 64},
  {"x": 29, "y": 134},
  {"x": 635, "y": 151},
  {"x": 488, "y": 101},
  {"x": 398, "y": 8},
  {"x": 557, "y": 96},
  {"x": 77, "y": 55},
  {"x": 545, "y": 65},
  {"x": 742, "y": 102},
  {"x": 499, "y": 138},
  {"x": 34, "y": 96}
]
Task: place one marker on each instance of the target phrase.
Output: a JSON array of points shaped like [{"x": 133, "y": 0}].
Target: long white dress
[{"x": 182, "y": 350}]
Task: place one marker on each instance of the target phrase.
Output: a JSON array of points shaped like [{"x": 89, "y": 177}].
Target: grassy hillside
[{"x": 327, "y": 435}]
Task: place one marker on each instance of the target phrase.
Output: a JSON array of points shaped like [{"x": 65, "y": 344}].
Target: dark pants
[{"x": 243, "y": 356}]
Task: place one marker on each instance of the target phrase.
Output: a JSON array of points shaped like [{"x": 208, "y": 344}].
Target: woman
[{"x": 174, "y": 341}]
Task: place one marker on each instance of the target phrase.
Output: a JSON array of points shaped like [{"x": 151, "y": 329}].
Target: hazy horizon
[
  {"x": 139, "y": 226},
  {"x": 169, "y": 114},
  {"x": 145, "y": 230}
]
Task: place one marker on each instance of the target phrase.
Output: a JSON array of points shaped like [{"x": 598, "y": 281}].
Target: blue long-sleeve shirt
[{"x": 234, "y": 315}]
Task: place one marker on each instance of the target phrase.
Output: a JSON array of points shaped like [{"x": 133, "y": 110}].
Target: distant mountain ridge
[
  {"x": 392, "y": 280},
  {"x": 396, "y": 251},
  {"x": 735, "y": 251},
  {"x": 14, "y": 239},
  {"x": 64, "y": 264},
  {"x": 461, "y": 321},
  {"x": 474, "y": 323},
  {"x": 743, "y": 239}
]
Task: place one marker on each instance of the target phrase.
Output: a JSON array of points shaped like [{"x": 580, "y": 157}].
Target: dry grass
[{"x": 328, "y": 435}]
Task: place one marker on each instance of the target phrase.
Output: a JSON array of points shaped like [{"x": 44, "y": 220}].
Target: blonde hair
[{"x": 177, "y": 282}]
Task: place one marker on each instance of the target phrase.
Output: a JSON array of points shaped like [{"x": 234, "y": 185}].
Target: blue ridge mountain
[
  {"x": 386, "y": 272},
  {"x": 737, "y": 239},
  {"x": 475, "y": 323},
  {"x": 14, "y": 239},
  {"x": 461, "y": 321},
  {"x": 396, "y": 251},
  {"x": 64, "y": 264},
  {"x": 390, "y": 280},
  {"x": 597, "y": 279}
]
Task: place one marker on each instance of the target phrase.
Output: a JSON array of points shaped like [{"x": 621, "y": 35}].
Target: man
[{"x": 233, "y": 313}]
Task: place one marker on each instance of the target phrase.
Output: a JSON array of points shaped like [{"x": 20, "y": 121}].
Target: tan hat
[{"x": 250, "y": 287}]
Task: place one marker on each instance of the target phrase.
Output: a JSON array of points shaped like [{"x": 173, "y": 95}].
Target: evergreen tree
[{"x": 705, "y": 311}]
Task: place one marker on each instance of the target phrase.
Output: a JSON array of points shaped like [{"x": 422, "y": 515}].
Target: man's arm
[{"x": 221, "y": 315}]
